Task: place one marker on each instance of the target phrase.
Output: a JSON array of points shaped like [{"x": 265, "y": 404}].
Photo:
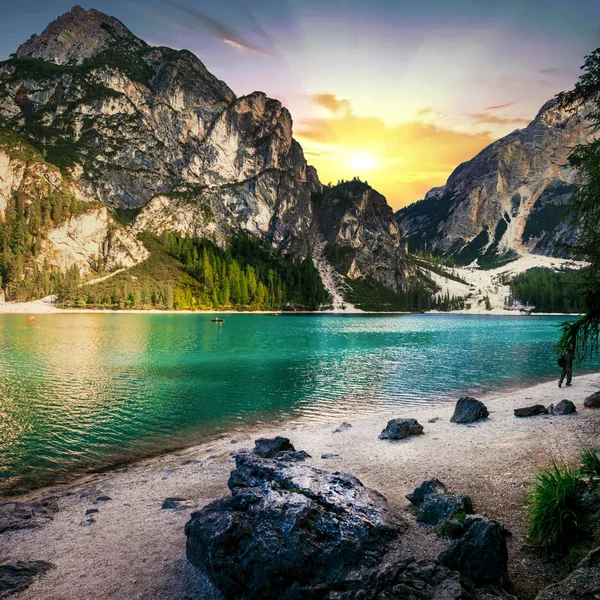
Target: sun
[{"x": 362, "y": 162}]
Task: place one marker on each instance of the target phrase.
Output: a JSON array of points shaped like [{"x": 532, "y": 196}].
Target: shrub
[
  {"x": 557, "y": 513},
  {"x": 590, "y": 466}
]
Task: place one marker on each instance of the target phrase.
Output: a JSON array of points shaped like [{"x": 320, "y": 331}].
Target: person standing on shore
[{"x": 566, "y": 363}]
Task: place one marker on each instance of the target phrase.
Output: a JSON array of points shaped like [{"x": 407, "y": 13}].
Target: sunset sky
[{"x": 398, "y": 93}]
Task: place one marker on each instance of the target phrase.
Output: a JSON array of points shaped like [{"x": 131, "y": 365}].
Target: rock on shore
[
  {"x": 288, "y": 525},
  {"x": 469, "y": 410}
]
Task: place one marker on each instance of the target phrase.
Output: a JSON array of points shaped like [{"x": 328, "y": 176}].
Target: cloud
[
  {"x": 331, "y": 102},
  {"x": 410, "y": 158},
  {"x": 425, "y": 111},
  {"x": 498, "y": 106},
  {"x": 550, "y": 71},
  {"x": 486, "y": 118},
  {"x": 221, "y": 31}
]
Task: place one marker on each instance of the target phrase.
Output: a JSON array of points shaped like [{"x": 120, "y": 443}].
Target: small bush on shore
[
  {"x": 558, "y": 517},
  {"x": 590, "y": 467}
]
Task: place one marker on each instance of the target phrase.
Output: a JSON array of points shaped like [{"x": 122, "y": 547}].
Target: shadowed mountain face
[
  {"x": 511, "y": 196},
  {"x": 151, "y": 130}
]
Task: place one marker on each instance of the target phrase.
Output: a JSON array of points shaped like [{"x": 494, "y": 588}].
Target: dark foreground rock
[
  {"x": 480, "y": 554},
  {"x": 438, "y": 508},
  {"x": 592, "y": 401},
  {"x": 404, "y": 580},
  {"x": 430, "y": 486},
  {"x": 583, "y": 583},
  {"x": 269, "y": 447},
  {"x": 399, "y": 429},
  {"x": 20, "y": 575},
  {"x": 469, "y": 410},
  {"x": 531, "y": 411},
  {"x": 564, "y": 407},
  {"x": 286, "y": 526},
  {"x": 26, "y": 515}
]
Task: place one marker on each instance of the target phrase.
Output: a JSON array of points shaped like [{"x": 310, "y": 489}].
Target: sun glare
[{"x": 362, "y": 162}]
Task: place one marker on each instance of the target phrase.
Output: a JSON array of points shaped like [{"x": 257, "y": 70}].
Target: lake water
[{"x": 82, "y": 390}]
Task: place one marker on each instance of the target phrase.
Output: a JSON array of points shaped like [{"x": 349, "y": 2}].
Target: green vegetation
[
  {"x": 558, "y": 516},
  {"x": 563, "y": 507},
  {"x": 27, "y": 219},
  {"x": 439, "y": 270},
  {"x": 182, "y": 273},
  {"x": 582, "y": 335},
  {"x": 368, "y": 294},
  {"x": 547, "y": 290}
]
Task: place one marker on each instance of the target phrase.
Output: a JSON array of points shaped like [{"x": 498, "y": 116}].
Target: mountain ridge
[
  {"x": 150, "y": 130},
  {"x": 508, "y": 199}
]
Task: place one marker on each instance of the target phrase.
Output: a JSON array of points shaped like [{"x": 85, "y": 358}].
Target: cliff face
[
  {"x": 44, "y": 214},
  {"x": 362, "y": 235},
  {"x": 511, "y": 196},
  {"x": 149, "y": 128}
]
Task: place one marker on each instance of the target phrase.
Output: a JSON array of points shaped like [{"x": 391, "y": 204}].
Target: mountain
[
  {"x": 508, "y": 199},
  {"x": 151, "y": 134}
]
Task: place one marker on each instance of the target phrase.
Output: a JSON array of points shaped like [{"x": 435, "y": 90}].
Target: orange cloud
[
  {"x": 331, "y": 102},
  {"x": 498, "y": 106},
  {"x": 408, "y": 159},
  {"x": 483, "y": 117}
]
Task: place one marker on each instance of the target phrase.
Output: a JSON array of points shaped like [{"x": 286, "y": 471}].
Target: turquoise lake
[{"x": 78, "y": 391}]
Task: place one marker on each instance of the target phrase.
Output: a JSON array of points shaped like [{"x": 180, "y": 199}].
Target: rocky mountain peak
[
  {"x": 509, "y": 198},
  {"x": 76, "y": 36}
]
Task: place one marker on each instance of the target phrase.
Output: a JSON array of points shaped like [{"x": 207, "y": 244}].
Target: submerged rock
[
  {"x": 592, "y": 401},
  {"x": 26, "y": 515},
  {"x": 564, "y": 407},
  {"x": 430, "y": 486},
  {"x": 480, "y": 554},
  {"x": 399, "y": 429},
  {"x": 288, "y": 525},
  {"x": 469, "y": 410},
  {"x": 438, "y": 508},
  {"x": 17, "y": 576},
  {"x": 531, "y": 411}
]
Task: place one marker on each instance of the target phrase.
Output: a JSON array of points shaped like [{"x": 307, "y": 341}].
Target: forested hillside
[
  {"x": 183, "y": 273},
  {"x": 548, "y": 291}
]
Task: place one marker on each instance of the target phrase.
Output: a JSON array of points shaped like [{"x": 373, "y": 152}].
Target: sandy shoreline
[
  {"x": 46, "y": 306},
  {"x": 136, "y": 550}
]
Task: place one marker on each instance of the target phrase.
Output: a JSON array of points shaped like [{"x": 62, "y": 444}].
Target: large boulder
[
  {"x": 469, "y": 410},
  {"x": 480, "y": 554},
  {"x": 20, "y": 575},
  {"x": 399, "y": 429},
  {"x": 288, "y": 525},
  {"x": 592, "y": 401},
  {"x": 430, "y": 486},
  {"x": 438, "y": 508},
  {"x": 582, "y": 584},
  {"x": 531, "y": 411},
  {"x": 564, "y": 407}
]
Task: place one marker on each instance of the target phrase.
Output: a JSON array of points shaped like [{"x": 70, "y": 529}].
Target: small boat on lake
[
  {"x": 217, "y": 320},
  {"x": 30, "y": 319}
]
